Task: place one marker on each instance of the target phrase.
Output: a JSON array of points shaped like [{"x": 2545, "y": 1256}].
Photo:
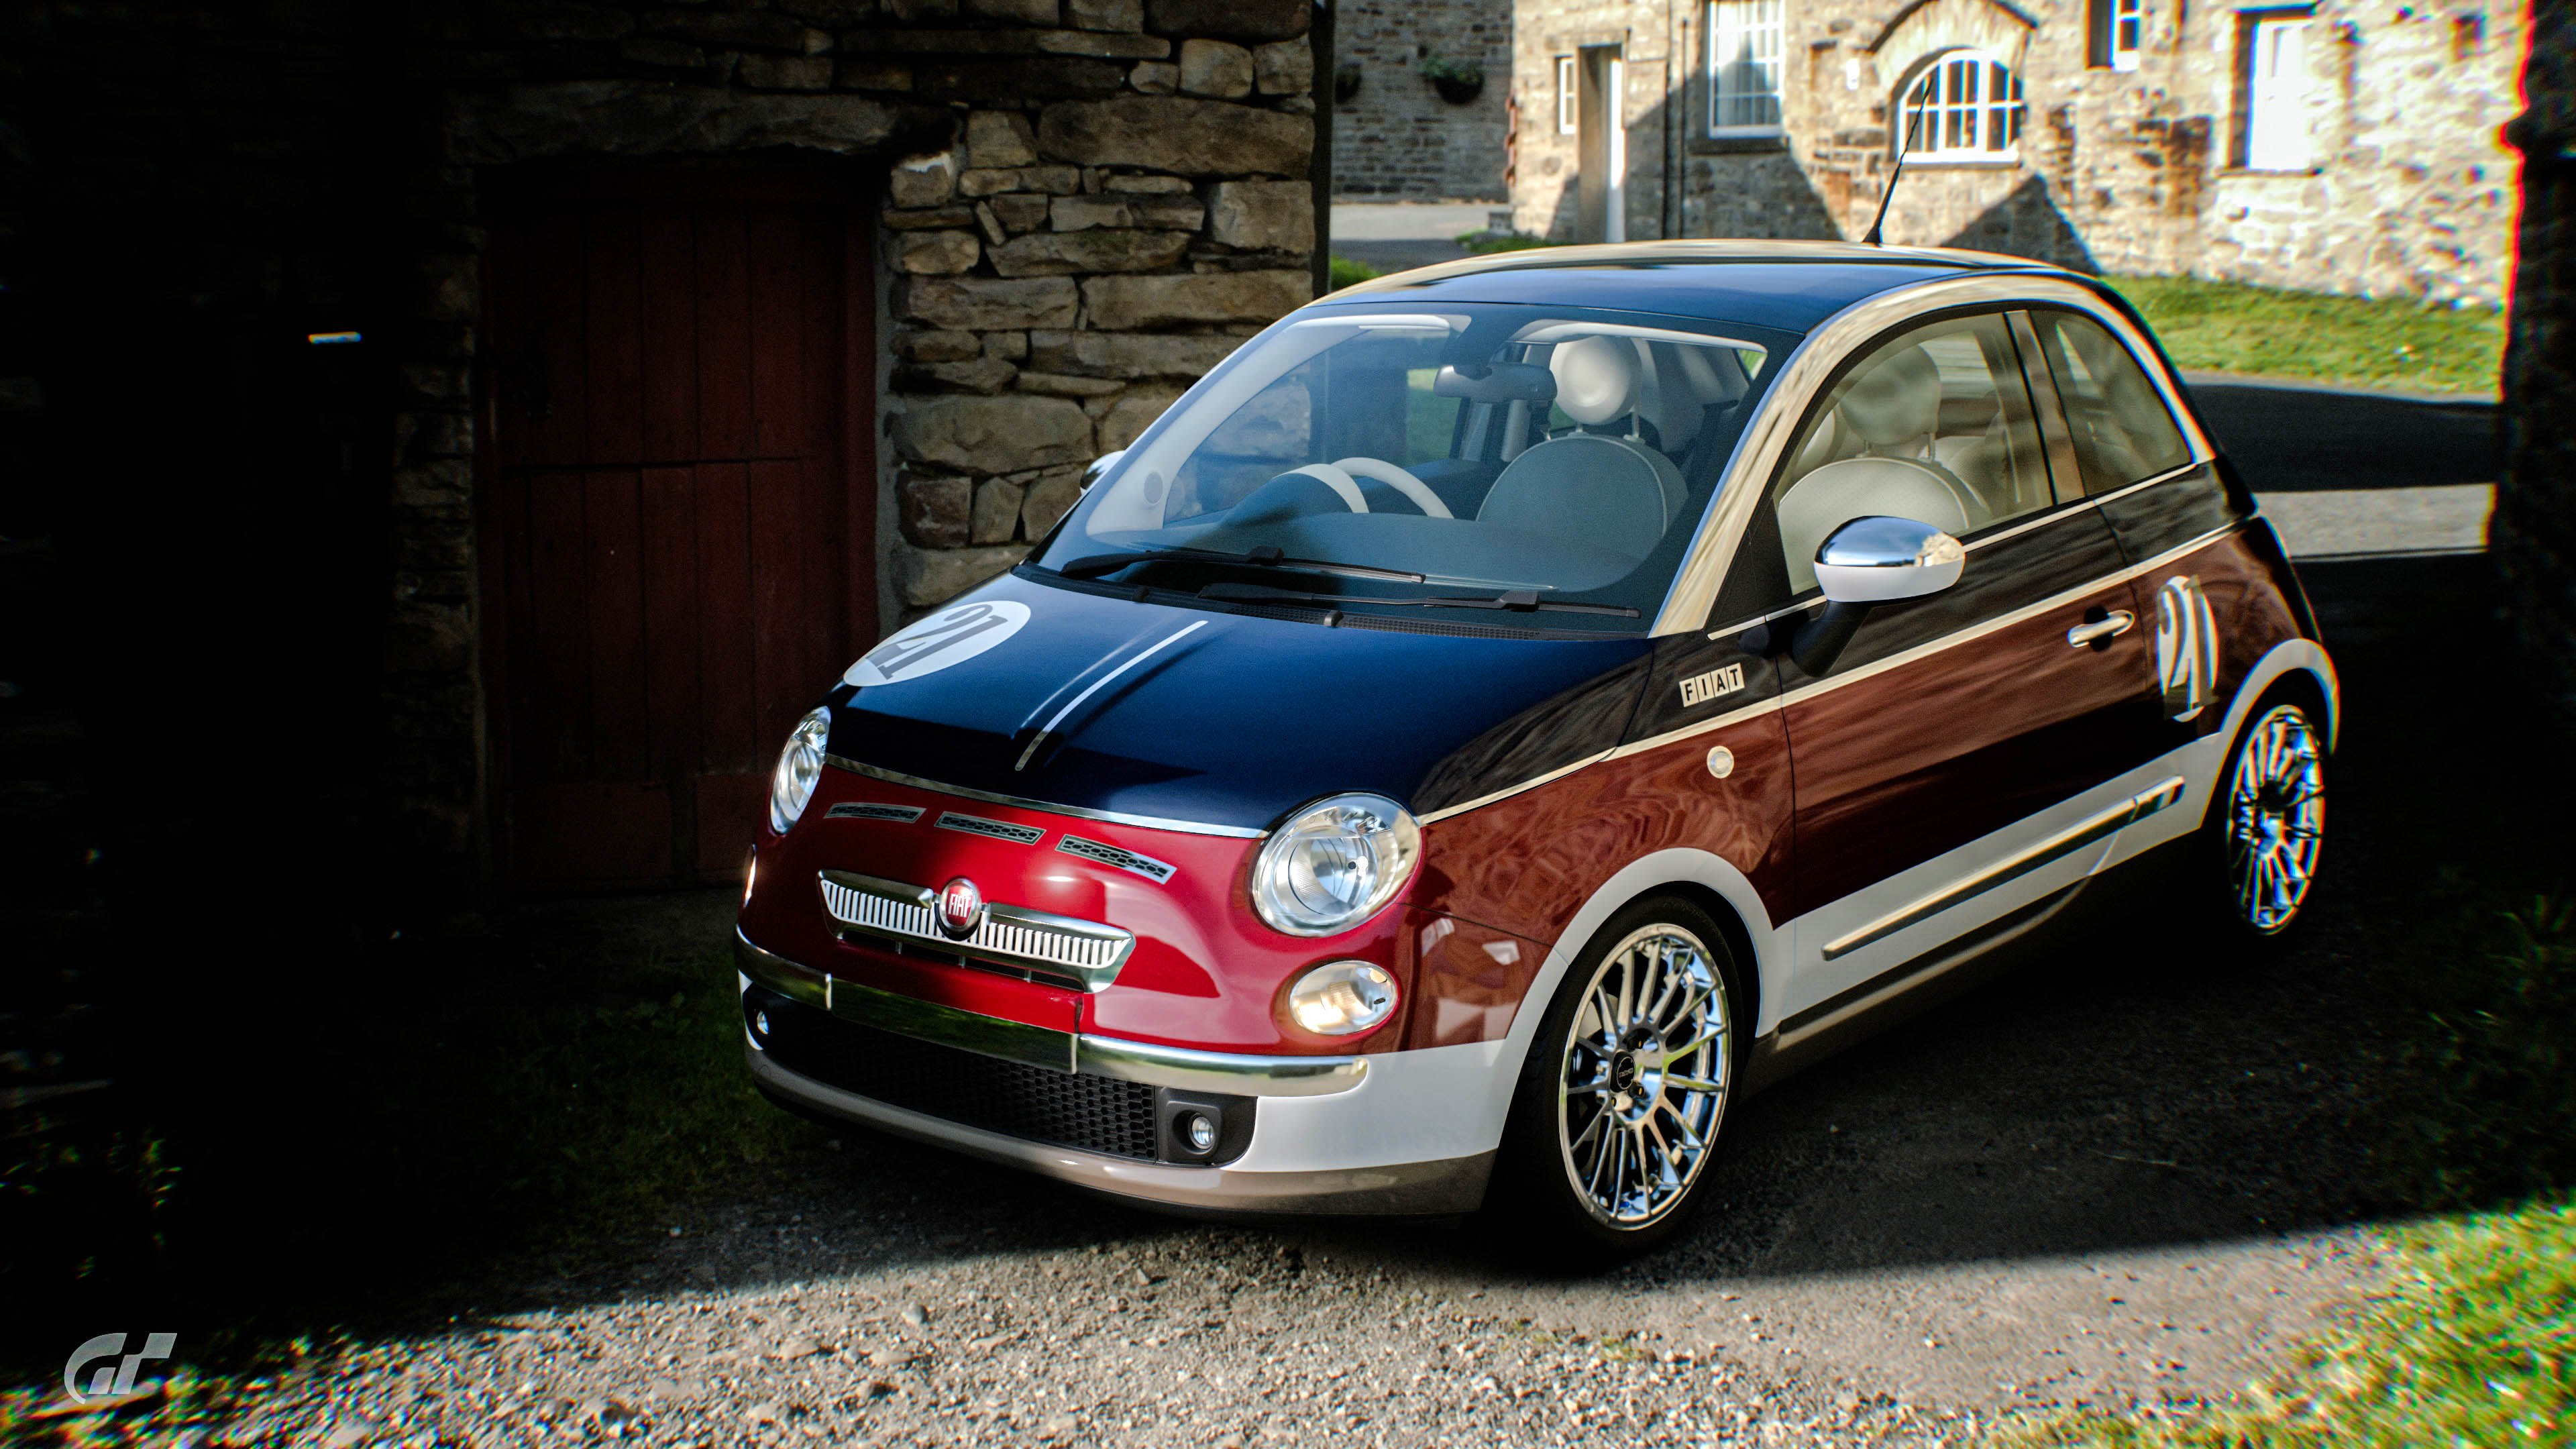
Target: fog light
[
  {"x": 760, "y": 1024},
  {"x": 1342, "y": 997},
  {"x": 1199, "y": 1132}
]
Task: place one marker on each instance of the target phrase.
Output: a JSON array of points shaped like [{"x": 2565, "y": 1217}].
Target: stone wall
[
  {"x": 2412, "y": 194},
  {"x": 1066, "y": 273},
  {"x": 1396, "y": 138}
]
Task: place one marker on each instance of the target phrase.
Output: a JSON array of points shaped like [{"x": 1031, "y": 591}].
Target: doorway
[
  {"x": 677, "y": 527},
  {"x": 1601, "y": 145}
]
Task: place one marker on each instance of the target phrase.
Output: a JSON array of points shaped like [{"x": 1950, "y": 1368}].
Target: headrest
[
  {"x": 1896, "y": 400},
  {"x": 1596, "y": 378}
]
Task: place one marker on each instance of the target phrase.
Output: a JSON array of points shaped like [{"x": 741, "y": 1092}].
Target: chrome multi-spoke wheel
[
  {"x": 1643, "y": 1076},
  {"x": 2275, "y": 817}
]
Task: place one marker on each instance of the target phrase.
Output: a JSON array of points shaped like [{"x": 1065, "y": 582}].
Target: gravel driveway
[{"x": 2122, "y": 1175}]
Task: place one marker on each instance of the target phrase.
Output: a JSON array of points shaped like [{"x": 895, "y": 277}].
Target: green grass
[
  {"x": 1485, "y": 244},
  {"x": 1347, "y": 273},
  {"x": 2474, "y": 1344},
  {"x": 2489, "y": 1083},
  {"x": 2310, "y": 336}
]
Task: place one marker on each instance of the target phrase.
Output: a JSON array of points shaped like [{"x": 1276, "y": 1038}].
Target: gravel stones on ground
[{"x": 854, "y": 1326}]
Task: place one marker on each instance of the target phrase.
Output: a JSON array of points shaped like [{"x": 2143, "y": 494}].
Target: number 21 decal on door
[{"x": 927, "y": 646}]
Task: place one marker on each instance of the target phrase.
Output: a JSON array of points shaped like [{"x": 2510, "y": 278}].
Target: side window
[
  {"x": 1933, "y": 425},
  {"x": 2123, "y": 432}
]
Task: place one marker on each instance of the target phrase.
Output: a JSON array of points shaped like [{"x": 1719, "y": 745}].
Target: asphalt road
[{"x": 2128, "y": 1172}]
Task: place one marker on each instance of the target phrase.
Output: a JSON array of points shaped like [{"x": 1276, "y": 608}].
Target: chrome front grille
[{"x": 1080, "y": 953}]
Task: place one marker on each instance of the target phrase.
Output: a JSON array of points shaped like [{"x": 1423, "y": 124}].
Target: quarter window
[
  {"x": 1743, "y": 67},
  {"x": 2122, "y": 429},
  {"x": 1964, "y": 106},
  {"x": 1934, "y": 426}
]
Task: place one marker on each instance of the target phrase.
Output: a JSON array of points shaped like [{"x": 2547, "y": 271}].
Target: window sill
[
  {"x": 2287, "y": 173},
  {"x": 1928, "y": 163},
  {"x": 1750, "y": 143}
]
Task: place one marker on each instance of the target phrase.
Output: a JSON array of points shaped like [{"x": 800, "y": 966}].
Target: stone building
[
  {"x": 1396, "y": 135},
  {"x": 2331, "y": 146},
  {"x": 473, "y": 433}
]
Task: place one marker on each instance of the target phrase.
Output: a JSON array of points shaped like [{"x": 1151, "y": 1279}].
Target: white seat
[{"x": 1605, "y": 492}]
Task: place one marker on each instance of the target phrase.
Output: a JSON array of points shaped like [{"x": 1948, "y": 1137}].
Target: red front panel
[{"x": 1205, "y": 971}]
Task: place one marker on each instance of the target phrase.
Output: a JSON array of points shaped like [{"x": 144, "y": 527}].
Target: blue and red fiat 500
[{"x": 1508, "y": 710}]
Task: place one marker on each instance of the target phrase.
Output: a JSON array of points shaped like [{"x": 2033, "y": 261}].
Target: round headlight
[
  {"x": 800, "y": 767},
  {"x": 1335, "y": 864},
  {"x": 1341, "y": 997}
]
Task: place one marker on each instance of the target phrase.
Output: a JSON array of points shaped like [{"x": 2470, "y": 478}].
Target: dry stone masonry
[
  {"x": 1066, "y": 269},
  {"x": 1395, "y": 138}
]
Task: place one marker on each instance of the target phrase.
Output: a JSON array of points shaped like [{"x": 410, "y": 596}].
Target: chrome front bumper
[{"x": 1451, "y": 1185}]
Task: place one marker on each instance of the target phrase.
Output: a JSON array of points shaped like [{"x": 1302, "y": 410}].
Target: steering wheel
[
  {"x": 1396, "y": 478},
  {"x": 1343, "y": 478}
]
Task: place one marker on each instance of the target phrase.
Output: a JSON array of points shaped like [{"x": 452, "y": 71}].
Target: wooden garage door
[{"x": 677, "y": 535}]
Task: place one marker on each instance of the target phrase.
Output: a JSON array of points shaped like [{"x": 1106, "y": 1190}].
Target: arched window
[{"x": 1964, "y": 106}]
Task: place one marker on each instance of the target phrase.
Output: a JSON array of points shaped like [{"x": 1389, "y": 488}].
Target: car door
[{"x": 1969, "y": 755}]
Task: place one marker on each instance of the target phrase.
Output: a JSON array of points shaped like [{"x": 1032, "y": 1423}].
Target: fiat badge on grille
[{"x": 961, "y": 908}]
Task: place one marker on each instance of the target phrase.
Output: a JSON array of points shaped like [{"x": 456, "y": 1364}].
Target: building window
[
  {"x": 1569, "y": 91},
  {"x": 1743, "y": 67},
  {"x": 1964, "y": 106},
  {"x": 2272, "y": 90},
  {"x": 2118, "y": 27}
]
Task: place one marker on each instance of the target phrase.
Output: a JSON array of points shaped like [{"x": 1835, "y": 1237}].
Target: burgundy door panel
[
  {"x": 1917, "y": 756},
  {"x": 676, "y": 516}
]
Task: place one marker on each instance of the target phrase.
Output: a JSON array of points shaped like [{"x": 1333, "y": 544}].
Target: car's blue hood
[{"x": 1238, "y": 720}]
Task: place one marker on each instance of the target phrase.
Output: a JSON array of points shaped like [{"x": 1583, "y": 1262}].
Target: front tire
[{"x": 1616, "y": 1117}]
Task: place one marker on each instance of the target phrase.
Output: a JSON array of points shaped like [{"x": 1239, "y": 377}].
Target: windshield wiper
[
  {"x": 1265, "y": 557},
  {"x": 1518, "y": 601}
]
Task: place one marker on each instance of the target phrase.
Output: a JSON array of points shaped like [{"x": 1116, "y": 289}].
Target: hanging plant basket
[
  {"x": 1346, "y": 81},
  {"x": 1457, "y": 82}
]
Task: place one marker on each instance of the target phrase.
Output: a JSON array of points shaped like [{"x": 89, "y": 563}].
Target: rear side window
[{"x": 2123, "y": 432}]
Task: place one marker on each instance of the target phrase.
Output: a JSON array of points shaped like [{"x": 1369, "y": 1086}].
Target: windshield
[{"x": 1546, "y": 468}]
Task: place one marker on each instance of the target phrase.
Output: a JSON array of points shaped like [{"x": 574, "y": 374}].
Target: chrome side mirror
[
  {"x": 1872, "y": 560},
  {"x": 1099, "y": 468},
  {"x": 1879, "y": 560}
]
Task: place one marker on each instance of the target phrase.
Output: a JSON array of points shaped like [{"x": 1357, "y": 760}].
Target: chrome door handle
[{"x": 2110, "y": 626}]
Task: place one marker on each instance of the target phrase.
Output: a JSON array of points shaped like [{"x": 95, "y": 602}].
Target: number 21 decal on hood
[{"x": 951, "y": 636}]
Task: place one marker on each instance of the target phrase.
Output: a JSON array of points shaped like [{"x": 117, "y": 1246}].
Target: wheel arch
[
  {"x": 1747, "y": 990},
  {"x": 1702, "y": 877}
]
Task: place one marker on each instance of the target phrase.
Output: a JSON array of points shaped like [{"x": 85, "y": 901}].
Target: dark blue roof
[{"x": 1790, "y": 286}]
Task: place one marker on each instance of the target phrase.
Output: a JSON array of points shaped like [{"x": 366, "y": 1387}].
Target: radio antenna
[{"x": 1913, "y": 130}]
